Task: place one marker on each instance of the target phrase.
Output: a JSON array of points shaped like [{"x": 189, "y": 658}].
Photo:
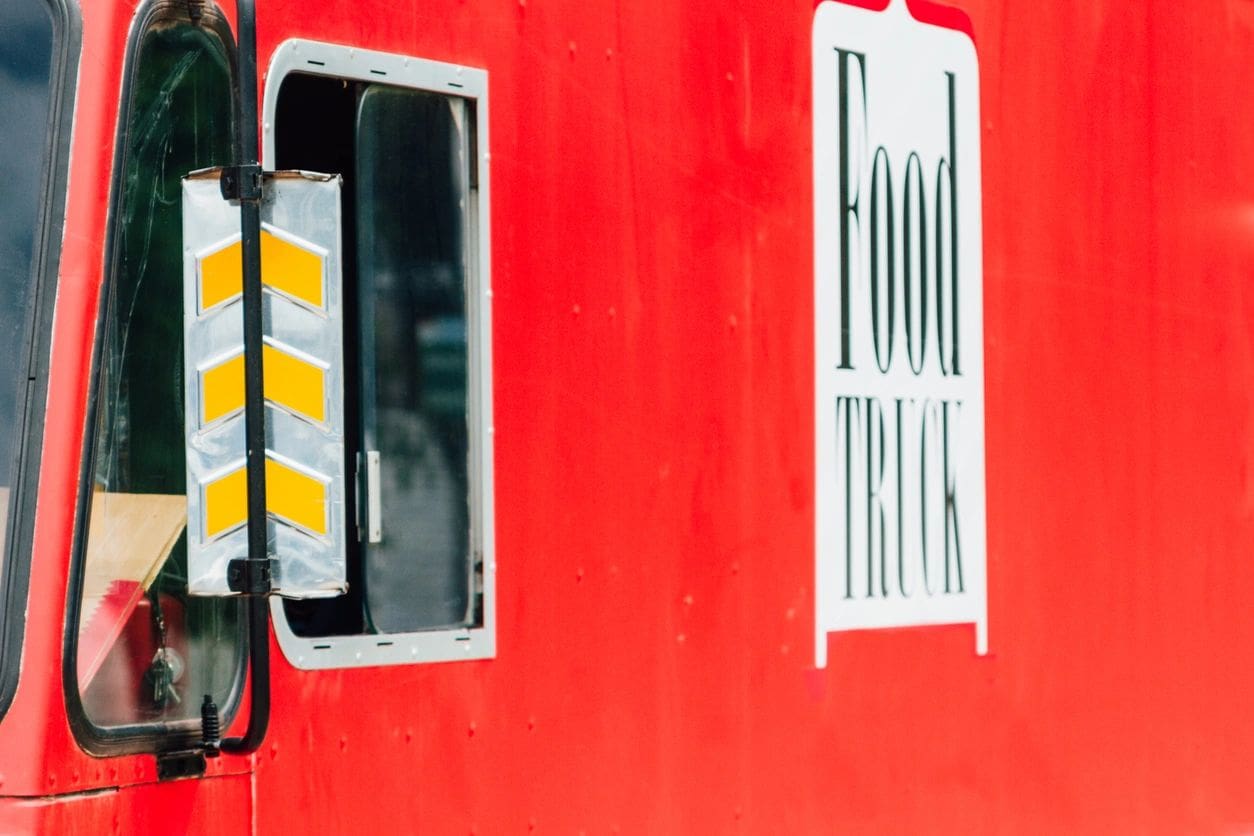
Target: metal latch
[{"x": 370, "y": 512}]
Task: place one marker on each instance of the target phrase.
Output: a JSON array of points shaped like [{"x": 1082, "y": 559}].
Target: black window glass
[
  {"x": 147, "y": 651},
  {"x": 406, "y": 158},
  {"x": 411, "y": 210},
  {"x": 26, "y": 44}
]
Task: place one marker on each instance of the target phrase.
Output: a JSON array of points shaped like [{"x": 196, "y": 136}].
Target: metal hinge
[
  {"x": 250, "y": 577},
  {"x": 188, "y": 763},
  {"x": 241, "y": 182}
]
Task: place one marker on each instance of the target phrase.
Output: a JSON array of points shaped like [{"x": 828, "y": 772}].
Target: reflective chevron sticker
[
  {"x": 288, "y": 265},
  {"x": 302, "y": 358},
  {"x": 292, "y": 382},
  {"x": 293, "y": 495}
]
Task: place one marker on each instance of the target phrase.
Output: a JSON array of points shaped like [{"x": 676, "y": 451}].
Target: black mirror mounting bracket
[{"x": 250, "y": 576}]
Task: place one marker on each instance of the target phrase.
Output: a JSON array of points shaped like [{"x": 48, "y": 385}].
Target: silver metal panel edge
[{"x": 314, "y": 58}]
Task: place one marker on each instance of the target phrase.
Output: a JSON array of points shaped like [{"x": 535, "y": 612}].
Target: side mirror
[{"x": 304, "y": 383}]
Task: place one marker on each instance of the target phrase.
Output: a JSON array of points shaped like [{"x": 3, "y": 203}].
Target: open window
[
  {"x": 140, "y": 651},
  {"x": 409, "y": 138}
]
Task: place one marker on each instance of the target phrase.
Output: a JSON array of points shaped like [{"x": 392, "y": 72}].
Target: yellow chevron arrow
[
  {"x": 292, "y": 496},
  {"x": 290, "y": 382},
  {"x": 285, "y": 267}
]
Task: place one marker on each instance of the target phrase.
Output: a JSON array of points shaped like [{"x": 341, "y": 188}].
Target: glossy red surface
[
  {"x": 209, "y": 806},
  {"x": 652, "y": 270}
]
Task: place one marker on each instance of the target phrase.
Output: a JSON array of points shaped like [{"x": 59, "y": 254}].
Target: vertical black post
[
  {"x": 250, "y": 229},
  {"x": 252, "y": 575}
]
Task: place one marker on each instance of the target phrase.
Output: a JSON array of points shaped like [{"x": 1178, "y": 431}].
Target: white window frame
[{"x": 447, "y": 645}]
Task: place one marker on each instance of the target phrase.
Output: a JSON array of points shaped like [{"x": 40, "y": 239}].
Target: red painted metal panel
[
  {"x": 654, "y": 462},
  {"x": 213, "y": 807},
  {"x": 38, "y": 755},
  {"x": 652, "y": 268}
]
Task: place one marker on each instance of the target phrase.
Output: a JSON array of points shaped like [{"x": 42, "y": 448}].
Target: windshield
[{"x": 26, "y": 46}]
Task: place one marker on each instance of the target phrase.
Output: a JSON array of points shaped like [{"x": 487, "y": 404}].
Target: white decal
[{"x": 899, "y": 338}]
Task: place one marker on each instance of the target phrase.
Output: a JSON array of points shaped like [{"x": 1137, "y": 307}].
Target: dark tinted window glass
[
  {"x": 146, "y": 651},
  {"x": 411, "y": 216},
  {"x": 26, "y": 40},
  {"x": 406, "y": 159}
]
